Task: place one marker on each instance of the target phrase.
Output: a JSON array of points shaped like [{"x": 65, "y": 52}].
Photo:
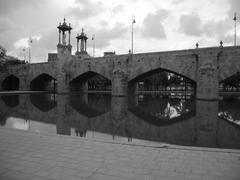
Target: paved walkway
[{"x": 27, "y": 155}]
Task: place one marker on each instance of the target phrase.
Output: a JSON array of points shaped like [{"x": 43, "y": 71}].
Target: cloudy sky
[{"x": 160, "y": 24}]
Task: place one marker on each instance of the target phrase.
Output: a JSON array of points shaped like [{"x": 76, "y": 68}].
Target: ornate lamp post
[
  {"x": 93, "y": 38},
  {"x": 30, "y": 40},
  {"x": 133, "y": 22},
  {"x": 235, "y": 29}
]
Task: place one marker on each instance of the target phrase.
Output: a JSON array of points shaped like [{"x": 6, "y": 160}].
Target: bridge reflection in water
[{"x": 171, "y": 118}]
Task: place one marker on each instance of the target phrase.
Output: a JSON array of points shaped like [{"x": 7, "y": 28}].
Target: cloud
[
  {"x": 177, "y": 1},
  {"x": 46, "y": 44},
  {"x": 217, "y": 28},
  {"x": 229, "y": 39},
  {"x": 9, "y": 32},
  {"x": 8, "y": 6},
  {"x": 234, "y": 7},
  {"x": 85, "y": 9},
  {"x": 104, "y": 35},
  {"x": 49, "y": 40},
  {"x": 40, "y": 46},
  {"x": 117, "y": 9},
  {"x": 190, "y": 24},
  {"x": 103, "y": 23},
  {"x": 153, "y": 26}
]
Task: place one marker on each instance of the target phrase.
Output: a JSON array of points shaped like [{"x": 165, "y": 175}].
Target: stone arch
[
  {"x": 223, "y": 75},
  {"x": 34, "y": 75},
  {"x": 78, "y": 83},
  {"x": 43, "y": 82},
  {"x": 183, "y": 65},
  {"x": 133, "y": 83},
  {"x": 229, "y": 65},
  {"x": 102, "y": 72},
  {"x": 11, "y": 82},
  {"x": 152, "y": 71}
]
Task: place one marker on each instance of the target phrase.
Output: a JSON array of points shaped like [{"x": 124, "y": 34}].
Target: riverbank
[{"x": 28, "y": 155}]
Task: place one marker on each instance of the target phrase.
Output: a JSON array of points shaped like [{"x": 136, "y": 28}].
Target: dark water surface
[{"x": 170, "y": 118}]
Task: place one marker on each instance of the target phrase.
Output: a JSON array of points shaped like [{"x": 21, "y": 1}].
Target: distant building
[
  {"x": 106, "y": 54},
  {"x": 52, "y": 57}
]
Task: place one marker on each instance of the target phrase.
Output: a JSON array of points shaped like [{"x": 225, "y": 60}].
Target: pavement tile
[
  {"x": 26, "y": 155},
  {"x": 105, "y": 177}
]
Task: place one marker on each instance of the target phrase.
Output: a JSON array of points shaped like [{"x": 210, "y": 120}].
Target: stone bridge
[{"x": 204, "y": 66}]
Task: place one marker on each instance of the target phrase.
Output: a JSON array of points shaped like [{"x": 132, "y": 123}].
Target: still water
[{"x": 169, "y": 118}]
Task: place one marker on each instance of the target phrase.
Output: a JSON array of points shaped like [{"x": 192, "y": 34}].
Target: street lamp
[
  {"x": 30, "y": 40},
  {"x": 24, "y": 55},
  {"x": 235, "y": 30},
  {"x": 93, "y": 38},
  {"x": 133, "y": 22}
]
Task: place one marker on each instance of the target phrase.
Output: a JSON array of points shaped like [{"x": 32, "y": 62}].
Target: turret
[
  {"x": 63, "y": 47},
  {"x": 83, "y": 46}
]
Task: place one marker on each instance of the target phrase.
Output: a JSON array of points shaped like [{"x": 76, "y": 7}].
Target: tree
[
  {"x": 232, "y": 81},
  {"x": 6, "y": 60}
]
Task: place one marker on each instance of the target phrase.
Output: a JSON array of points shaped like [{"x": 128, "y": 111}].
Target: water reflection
[
  {"x": 163, "y": 109},
  {"x": 3, "y": 118},
  {"x": 90, "y": 105},
  {"x": 11, "y": 100},
  {"x": 229, "y": 109},
  {"x": 169, "y": 118},
  {"x": 44, "y": 102}
]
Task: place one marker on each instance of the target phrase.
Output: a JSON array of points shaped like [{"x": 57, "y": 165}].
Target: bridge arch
[
  {"x": 37, "y": 69},
  {"x": 10, "y": 83},
  {"x": 43, "y": 82},
  {"x": 162, "y": 78},
  {"x": 184, "y": 64},
  {"x": 90, "y": 80},
  {"x": 228, "y": 64},
  {"x": 150, "y": 71}
]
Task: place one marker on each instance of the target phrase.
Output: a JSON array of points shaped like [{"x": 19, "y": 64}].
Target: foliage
[
  {"x": 233, "y": 81},
  {"x": 6, "y": 60}
]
